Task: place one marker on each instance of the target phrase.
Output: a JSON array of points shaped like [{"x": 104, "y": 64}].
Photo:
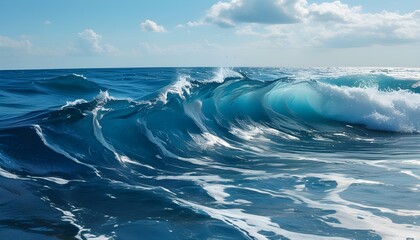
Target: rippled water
[{"x": 207, "y": 153}]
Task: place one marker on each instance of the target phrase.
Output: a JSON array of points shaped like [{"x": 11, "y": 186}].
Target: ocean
[{"x": 210, "y": 153}]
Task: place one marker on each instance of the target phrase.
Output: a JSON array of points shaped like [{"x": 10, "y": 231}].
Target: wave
[
  {"x": 307, "y": 102},
  {"x": 69, "y": 83},
  {"x": 217, "y": 150},
  {"x": 396, "y": 110},
  {"x": 231, "y": 100},
  {"x": 190, "y": 117}
]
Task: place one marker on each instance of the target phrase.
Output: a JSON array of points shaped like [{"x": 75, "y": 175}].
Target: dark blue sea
[{"x": 210, "y": 153}]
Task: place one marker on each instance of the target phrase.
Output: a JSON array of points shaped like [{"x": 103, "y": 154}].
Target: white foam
[
  {"x": 353, "y": 218},
  {"x": 242, "y": 201},
  {"x": 380, "y": 110},
  {"x": 416, "y": 85},
  {"x": 399, "y": 73},
  {"x": 83, "y": 232},
  {"x": 181, "y": 86},
  {"x": 352, "y": 215},
  {"x": 217, "y": 192},
  {"x": 412, "y": 162},
  {"x": 195, "y": 178},
  {"x": 9, "y": 175},
  {"x": 60, "y": 151},
  {"x": 104, "y": 96},
  {"x": 73, "y": 103},
  {"x": 253, "y": 131},
  {"x": 206, "y": 140},
  {"x": 79, "y": 75},
  {"x": 223, "y": 73},
  {"x": 416, "y": 188},
  {"x": 336, "y": 72},
  {"x": 160, "y": 144},
  {"x": 248, "y": 224},
  {"x": 248, "y": 133},
  {"x": 99, "y": 136},
  {"x": 56, "y": 180},
  {"x": 371, "y": 140},
  {"x": 384, "y": 164},
  {"x": 242, "y": 171},
  {"x": 126, "y": 159},
  {"x": 340, "y": 134},
  {"x": 193, "y": 110},
  {"x": 277, "y": 133},
  {"x": 410, "y": 173}
]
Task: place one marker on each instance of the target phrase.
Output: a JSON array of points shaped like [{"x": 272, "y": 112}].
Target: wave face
[{"x": 198, "y": 153}]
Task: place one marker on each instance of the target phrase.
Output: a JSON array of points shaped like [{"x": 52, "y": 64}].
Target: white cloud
[
  {"x": 12, "y": 44},
  {"x": 47, "y": 22},
  {"x": 151, "y": 26},
  {"x": 331, "y": 24},
  {"x": 90, "y": 41},
  {"x": 332, "y": 12},
  {"x": 336, "y": 24},
  {"x": 229, "y": 14}
]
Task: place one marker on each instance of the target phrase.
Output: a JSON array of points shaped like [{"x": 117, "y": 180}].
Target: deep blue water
[{"x": 210, "y": 153}]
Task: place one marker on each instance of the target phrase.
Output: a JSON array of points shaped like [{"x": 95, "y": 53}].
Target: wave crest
[{"x": 70, "y": 83}]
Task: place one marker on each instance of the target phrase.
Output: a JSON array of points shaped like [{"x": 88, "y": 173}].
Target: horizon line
[{"x": 152, "y": 67}]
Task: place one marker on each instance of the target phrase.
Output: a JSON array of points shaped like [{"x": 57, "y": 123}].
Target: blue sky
[{"x": 296, "y": 33}]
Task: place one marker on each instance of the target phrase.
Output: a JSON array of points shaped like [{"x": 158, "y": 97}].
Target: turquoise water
[{"x": 210, "y": 153}]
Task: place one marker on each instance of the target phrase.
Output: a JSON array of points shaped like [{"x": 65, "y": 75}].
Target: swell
[
  {"x": 69, "y": 83},
  {"x": 190, "y": 116}
]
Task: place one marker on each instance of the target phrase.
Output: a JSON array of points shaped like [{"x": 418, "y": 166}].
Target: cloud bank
[{"x": 331, "y": 24}]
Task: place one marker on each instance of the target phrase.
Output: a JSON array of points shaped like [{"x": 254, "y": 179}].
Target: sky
[{"x": 183, "y": 33}]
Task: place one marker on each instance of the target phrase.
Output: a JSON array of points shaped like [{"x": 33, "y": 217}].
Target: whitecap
[
  {"x": 181, "y": 86},
  {"x": 223, "y": 73}
]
